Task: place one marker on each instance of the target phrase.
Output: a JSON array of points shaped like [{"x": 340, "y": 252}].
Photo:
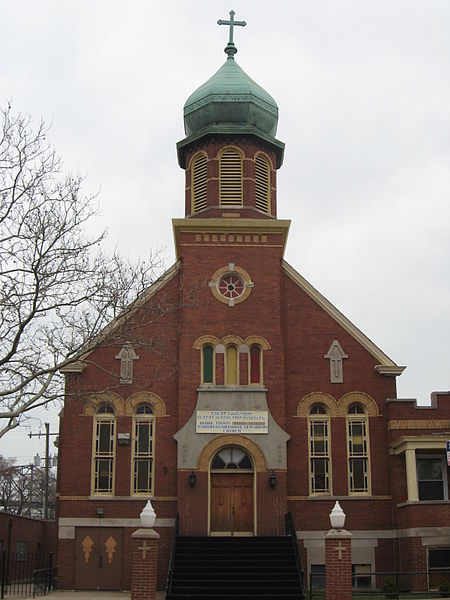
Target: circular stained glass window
[{"x": 230, "y": 286}]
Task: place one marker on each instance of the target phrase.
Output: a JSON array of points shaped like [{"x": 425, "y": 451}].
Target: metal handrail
[
  {"x": 173, "y": 544},
  {"x": 291, "y": 531}
]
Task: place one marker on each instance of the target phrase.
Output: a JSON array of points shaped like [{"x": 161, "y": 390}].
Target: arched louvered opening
[
  {"x": 262, "y": 183},
  {"x": 199, "y": 182},
  {"x": 230, "y": 178}
]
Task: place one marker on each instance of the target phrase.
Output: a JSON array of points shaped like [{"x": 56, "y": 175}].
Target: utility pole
[{"x": 47, "y": 465}]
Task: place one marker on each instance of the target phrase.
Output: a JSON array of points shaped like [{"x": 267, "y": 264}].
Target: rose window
[{"x": 230, "y": 286}]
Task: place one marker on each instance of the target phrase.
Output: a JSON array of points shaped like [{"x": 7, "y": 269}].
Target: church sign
[{"x": 232, "y": 421}]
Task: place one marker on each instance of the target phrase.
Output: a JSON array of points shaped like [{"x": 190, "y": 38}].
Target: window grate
[
  {"x": 230, "y": 178},
  {"x": 262, "y": 183},
  {"x": 199, "y": 183}
]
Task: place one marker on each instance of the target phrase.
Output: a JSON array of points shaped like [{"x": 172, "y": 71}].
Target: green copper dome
[{"x": 231, "y": 101}]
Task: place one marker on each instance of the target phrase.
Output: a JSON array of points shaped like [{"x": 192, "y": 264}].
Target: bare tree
[
  {"x": 23, "y": 488},
  {"x": 58, "y": 290}
]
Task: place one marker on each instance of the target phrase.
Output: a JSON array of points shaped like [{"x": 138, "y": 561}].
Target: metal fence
[
  {"x": 26, "y": 574},
  {"x": 393, "y": 585}
]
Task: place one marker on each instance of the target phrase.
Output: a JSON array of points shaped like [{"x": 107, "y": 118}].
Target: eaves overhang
[
  {"x": 231, "y": 130},
  {"x": 386, "y": 366},
  {"x": 226, "y": 226}
]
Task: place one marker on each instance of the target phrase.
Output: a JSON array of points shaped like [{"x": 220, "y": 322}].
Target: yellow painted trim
[
  {"x": 158, "y": 405},
  {"x": 257, "y": 339},
  {"x": 357, "y": 398},
  {"x": 191, "y": 164},
  {"x": 146, "y": 419},
  {"x": 304, "y": 406},
  {"x": 365, "y": 418},
  {"x": 225, "y": 226},
  {"x": 223, "y": 441},
  {"x": 269, "y": 181},
  {"x": 418, "y": 424},
  {"x": 347, "y": 325},
  {"x": 71, "y": 498},
  {"x": 98, "y": 418},
  {"x": 205, "y": 339},
  {"x": 231, "y": 366},
  {"x": 95, "y": 400},
  {"x": 241, "y": 155},
  {"x": 323, "y": 419}
]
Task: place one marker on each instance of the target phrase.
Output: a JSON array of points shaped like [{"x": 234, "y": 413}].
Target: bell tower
[{"x": 230, "y": 153}]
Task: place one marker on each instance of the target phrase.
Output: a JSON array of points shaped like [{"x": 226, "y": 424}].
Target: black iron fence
[
  {"x": 26, "y": 574},
  {"x": 390, "y": 585}
]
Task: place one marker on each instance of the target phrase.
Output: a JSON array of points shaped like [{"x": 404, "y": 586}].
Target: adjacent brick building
[{"x": 233, "y": 392}]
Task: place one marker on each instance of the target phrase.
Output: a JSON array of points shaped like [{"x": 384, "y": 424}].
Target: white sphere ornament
[
  {"x": 148, "y": 515},
  {"x": 337, "y": 517}
]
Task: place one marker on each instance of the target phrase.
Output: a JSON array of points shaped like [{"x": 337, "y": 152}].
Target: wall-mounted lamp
[
  {"x": 100, "y": 513},
  {"x": 272, "y": 479},
  {"x": 192, "y": 479}
]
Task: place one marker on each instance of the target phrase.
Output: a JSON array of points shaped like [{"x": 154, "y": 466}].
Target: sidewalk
[{"x": 89, "y": 595}]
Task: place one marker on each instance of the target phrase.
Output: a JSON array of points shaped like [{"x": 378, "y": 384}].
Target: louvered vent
[
  {"x": 262, "y": 183},
  {"x": 199, "y": 179},
  {"x": 230, "y": 178}
]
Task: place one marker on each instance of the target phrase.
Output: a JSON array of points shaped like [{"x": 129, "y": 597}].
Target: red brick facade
[{"x": 295, "y": 328}]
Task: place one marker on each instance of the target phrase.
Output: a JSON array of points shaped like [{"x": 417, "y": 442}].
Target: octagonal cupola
[{"x": 230, "y": 152}]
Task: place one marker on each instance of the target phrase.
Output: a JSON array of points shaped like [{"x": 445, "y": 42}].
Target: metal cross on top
[{"x": 231, "y": 49}]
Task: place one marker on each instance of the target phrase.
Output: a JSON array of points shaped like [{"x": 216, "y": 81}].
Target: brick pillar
[
  {"x": 338, "y": 560},
  {"x": 144, "y": 564}
]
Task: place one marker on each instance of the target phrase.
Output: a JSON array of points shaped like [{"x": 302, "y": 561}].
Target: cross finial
[{"x": 231, "y": 48}]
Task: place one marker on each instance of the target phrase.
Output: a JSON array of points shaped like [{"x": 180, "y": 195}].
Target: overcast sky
[{"x": 363, "y": 89}]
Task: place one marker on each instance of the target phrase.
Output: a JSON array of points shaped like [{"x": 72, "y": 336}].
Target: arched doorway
[{"x": 232, "y": 493}]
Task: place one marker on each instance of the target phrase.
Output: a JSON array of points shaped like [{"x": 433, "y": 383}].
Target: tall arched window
[
  {"x": 230, "y": 178},
  {"x": 262, "y": 183},
  {"x": 143, "y": 450},
  {"x": 232, "y": 365},
  {"x": 208, "y": 364},
  {"x": 358, "y": 450},
  {"x": 319, "y": 450},
  {"x": 103, "y": 450},
  {"x": 255, "y": 364},
  {"x": 199, "y": 181}
]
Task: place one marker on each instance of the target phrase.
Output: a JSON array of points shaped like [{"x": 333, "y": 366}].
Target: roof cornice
[{"x": 253, "y": 226}]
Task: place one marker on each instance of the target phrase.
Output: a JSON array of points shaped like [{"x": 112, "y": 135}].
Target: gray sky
[{"x": 363, "y": 89}]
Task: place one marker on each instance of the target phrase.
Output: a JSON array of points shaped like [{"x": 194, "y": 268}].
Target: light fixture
[
  {"x": 100, "y": 512},
  {"x": 337, "y": 517},
  {"x": 192, "y": 479},
  {"x": 272, "y": 479}
]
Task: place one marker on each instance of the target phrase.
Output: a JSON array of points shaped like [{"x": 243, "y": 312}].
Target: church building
[{"x": 232, "y": 392}]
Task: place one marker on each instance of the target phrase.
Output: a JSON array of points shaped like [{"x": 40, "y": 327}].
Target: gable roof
[
  {"x": 76, "y": 364},
  {"x": 386, "y": 365}
]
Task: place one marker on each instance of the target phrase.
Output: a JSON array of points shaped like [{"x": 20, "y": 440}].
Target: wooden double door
[
  {"x": 232, "y": 504},
  {"x": 98, "y": 558}
]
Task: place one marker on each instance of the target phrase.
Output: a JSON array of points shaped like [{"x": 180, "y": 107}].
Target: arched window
[
  {"x": 143, "y": 449},
  {"x": 103, "y": 450},
  {"x": 255, "y": 364},
  {"x": 319, "y": 450},
  {"x": 232, "y": 365},
  {"x": 358, "y": 450},
  {"x": 232, "y": 458},
  {"x": 199, "y": 181},
  {"x": 208, "y": 364},
  {"x": 230, "y": 178},
  {"x": 262, "y": 183}
]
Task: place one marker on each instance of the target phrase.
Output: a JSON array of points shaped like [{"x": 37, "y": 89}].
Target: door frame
[{"x": 232, "y": 471}]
